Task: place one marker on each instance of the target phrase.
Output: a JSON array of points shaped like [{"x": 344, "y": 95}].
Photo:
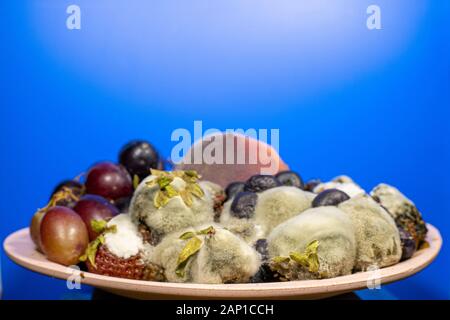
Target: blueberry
[
  {"x": 408, "y": 244},
  {"x": 264, "y": 274},
  {"x": 290, "y": 178},
  {"x": 243, "y": 205},
  {"x": 330, "y": 197},
  {"x": 234, "y": 188},
  {"x": 261, "y": 248},
  {"x": 260, "y": 183},
  {"x": 311, "y": 184}
]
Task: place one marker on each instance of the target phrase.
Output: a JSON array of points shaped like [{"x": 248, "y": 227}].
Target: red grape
[
  {"x": 35, "y": 228},
  {"x": 92, "y": 207},
  {"x": 109, "y": 180},
  {"x": 64, "y": 237}
]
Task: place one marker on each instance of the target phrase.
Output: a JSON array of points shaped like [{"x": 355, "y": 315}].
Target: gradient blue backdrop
[{"x": 371, "y": 104}]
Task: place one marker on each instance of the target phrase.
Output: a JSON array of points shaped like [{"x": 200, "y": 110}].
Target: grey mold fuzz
[
  {"x": 222, "y": 258},
  {"x": 402, "y": 210},
  {"x": 273, "y": 207},
  {"x": 175, "y": 215},
  {"x": 377, "y": 236},
  {"x": 337, "y": 245}
]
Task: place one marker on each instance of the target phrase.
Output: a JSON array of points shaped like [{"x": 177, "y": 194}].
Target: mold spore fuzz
[
  {"x": 330, "y": 227},
  {"x": 126, "y": 241},
  {"x": 273, "y": 207},
  {"x": 222, "y": 258},
  {"x": 377, "y": 237},
  {"x": 279, "y": 204},
  {"x": 402, "y": 210},
  {"x": 173, "y": 216},
  {"x": 342, "y": 183},
  {"x": 247, "y": 229}
]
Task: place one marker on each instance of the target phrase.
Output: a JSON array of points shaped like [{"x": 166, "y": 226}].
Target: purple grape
[{"x": 109, "y": 180}]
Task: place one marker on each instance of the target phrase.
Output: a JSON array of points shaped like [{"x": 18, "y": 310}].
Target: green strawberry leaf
[
  {"x": 192, "y": 246},
  {"x": 135, "y": 181},
  {"x": 187, "y": 235},
  {"x": 207, "y": 231},
  {"x": 98, "y": 225}
]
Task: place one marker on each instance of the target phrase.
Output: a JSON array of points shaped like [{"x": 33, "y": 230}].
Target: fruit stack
[
  {"x": 73, "y": 227},
  {"x": 134, "y": 220}
]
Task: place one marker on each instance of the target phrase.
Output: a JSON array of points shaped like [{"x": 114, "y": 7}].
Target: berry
[
  {"x": 260, "y": 182},
  {"x": 330, "y": 197},
  {"x": 408, "y": 244},
  {"x": 109, "y": 180},
  {"x": 290, "y": 178},
  {"x": 311, "y": 184},
  {"x": 138, "y": 157},
  {"x": 64, "y": 236},
  {"x": 261, "y": 248},
  {"x": 148, "y": 234},
  {"x": 234, "y": 188},
  {"x": 243, "y": 205},
  {"x": 108, "y": 264},
  {"x": 92, "y": 207}
]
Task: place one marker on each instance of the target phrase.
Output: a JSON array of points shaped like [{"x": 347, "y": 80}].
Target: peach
[{"x": 223, "y": 158}]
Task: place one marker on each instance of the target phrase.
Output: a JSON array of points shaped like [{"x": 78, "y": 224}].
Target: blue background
[{"x": 371, "y": 104}]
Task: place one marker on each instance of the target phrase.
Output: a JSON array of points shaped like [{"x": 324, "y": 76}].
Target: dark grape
[
  {"x": 138, "y": 157},
  {"x": 123, "y": 204},
  {"x": 75, "y": 188}
]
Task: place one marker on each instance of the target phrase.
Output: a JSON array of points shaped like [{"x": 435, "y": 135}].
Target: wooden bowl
[{"x": 19, "y": 247}]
